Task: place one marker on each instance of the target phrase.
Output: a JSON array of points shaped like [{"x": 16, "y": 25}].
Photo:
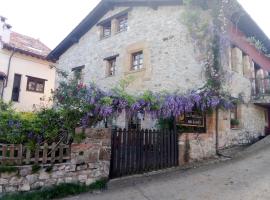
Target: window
[
  {"x": 111, "y": 66},
  {"x": 234, "y": 117},
  {"x": 77, "y": 72},
  {"x": 107, "y": 29},
  {"x": 122, "y": 23},
  {"x": 16, "y": 87},
  {"x": 35, "y": 84},
  {"x": 137, "y": 60}
]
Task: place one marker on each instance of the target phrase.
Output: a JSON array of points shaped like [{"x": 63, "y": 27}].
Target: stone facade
[
  {"x": 90, "y": 161},
  {"x": 171, "y": 62}
]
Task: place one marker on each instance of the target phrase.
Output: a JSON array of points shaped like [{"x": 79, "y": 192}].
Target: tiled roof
[{"x": 27, "y": 45}]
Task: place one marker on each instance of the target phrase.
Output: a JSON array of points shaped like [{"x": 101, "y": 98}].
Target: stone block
[
  {"x": 15, "y": 181},
  {"x": 25, "y": 187},
  {"x": 3, "y": 181},
  {"x": 32, "y": 178},
  {"x": 68, "y": 180},
  {"x": 38, "y": 184},
  {"x": 89, "y": 181},
  {"x": 82, "y": 167},
  {"x": 8, "y": 175},
  {"x": 82, "y": 178},
  {"x": 105, "y": 154},
  {"x": 11, "y": 189},
  {"x": 44, "y": 176},
  {"x": 94, "y": 133},
  {"x": 25, "y": 171},
  {"x": 70, "y": 168}
]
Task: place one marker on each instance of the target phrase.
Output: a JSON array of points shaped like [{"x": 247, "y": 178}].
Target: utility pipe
[{"x": 8, "y": 71}]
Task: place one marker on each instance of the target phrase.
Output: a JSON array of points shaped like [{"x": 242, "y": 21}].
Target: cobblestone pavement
[{"x": 243, "y": 178}]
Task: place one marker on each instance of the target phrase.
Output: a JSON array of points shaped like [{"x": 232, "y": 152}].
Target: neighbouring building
[
  {"x": 148, "y": 40},
  {"x": 26, "y": 76}
]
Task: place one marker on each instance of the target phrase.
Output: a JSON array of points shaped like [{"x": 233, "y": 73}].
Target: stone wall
[{"x": 90, "y": 161}]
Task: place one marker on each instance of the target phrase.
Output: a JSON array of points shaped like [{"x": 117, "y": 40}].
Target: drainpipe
[
  {"x": 217, "y": 141},
  {"x": 8, "y": 71}
]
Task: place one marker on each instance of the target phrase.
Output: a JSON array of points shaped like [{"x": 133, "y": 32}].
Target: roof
[
  {"x": 27, "y": 45},
  {"x": 93, "y": 17},
  {"x": 246, "y": 23}
]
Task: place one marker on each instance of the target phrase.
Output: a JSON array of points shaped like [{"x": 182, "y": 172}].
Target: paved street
[{"x": 246, "y": 178}]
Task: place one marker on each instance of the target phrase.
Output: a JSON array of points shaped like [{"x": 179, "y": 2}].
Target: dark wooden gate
[{"x": 139, "y": 151}]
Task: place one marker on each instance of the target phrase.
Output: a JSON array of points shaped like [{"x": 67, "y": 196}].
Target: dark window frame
[
  {"x": 122, "y": 23},
  {"x": 111, "y": 68},
  {"x": 78, "y": 71},
  {"x": 36, "y": 81},
  {"x": 107, "y": 26},
  {"x": 138, "y": 57}
]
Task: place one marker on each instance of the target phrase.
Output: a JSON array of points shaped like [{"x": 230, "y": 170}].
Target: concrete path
[{"x": 244, "y": 178}]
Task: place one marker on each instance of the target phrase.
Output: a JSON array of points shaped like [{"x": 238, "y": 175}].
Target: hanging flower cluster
[{"x": 97, "y": 104}]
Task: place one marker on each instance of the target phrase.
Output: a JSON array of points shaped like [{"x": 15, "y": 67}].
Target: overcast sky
[{"x": 52, "y": 20}]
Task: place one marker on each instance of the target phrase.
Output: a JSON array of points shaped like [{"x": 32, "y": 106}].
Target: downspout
[
  {"x": 8, "y": 71},
  {"x": 217, "y": 135}
]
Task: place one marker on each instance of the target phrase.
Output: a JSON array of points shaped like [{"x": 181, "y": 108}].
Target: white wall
[{"x": 26, "y": 66}]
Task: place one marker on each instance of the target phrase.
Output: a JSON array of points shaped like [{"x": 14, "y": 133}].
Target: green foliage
[
  {"x": 165, "y": 124},
  {"x": 8, "y": 169},
  {"x": 35, "y": 168},
  {"x": 257, "y": 44},
  {"x": 78, "y": 137},
  {"x": 59, "y": 191},
  {"x": 235, "y": 122}
]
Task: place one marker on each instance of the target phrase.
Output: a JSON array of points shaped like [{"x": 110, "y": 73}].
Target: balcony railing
[{"x": 260, "y": 88}]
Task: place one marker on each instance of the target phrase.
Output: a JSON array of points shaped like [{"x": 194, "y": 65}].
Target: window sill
[
  {"x": 236, "y": 128},
  {"x": 118, "y": 32},
  {"x": 35, "y": 91},
  {"x": 135, "y": 71}
]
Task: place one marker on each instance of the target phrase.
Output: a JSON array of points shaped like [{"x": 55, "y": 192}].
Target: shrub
[{"x": 54, "y": 192}]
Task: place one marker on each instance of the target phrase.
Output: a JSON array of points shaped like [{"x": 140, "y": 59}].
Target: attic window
[
  {"x": 107, "y": 29},
  {"x": 122, "y": 23}
]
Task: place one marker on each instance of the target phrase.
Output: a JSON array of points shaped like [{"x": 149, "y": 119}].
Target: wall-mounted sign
[{"x": 193, "y": 119}]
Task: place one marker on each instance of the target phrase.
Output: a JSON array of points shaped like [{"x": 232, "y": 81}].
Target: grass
[
  {"x": 8, "y": 169},
  {"x": 54, "y": 192}
]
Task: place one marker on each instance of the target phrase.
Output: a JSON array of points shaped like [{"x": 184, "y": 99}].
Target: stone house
[
  {"x": 149, "y": 41},
  {"x": 25, "y": 73}
]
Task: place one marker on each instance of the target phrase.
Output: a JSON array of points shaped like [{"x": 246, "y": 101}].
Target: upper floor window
[
  {"x": 78, "y": 72},
  {"x": 137, "y": 60},
  {"x": 107, "y": 29},
  {"x": 35, "y": 84},
  {"x": 122, "y": 23},
  {"x": 111, "y": 66}
]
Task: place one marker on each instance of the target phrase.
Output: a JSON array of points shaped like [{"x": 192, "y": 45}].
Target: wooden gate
[{"x": 139, "y": 151}]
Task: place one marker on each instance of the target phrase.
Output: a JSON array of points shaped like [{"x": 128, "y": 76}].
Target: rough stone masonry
[{"x": 90, "y": 161}]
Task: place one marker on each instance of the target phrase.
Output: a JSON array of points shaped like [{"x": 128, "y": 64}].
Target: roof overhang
[
  {"x": 249, "y": 27},
  {"x": 12, "y": 48}
]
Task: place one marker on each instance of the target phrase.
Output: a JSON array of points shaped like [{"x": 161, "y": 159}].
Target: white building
[{"x": 25, "y": 73}]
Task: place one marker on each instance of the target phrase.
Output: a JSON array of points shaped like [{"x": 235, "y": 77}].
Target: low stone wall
[{"x": 90, "y": 161}]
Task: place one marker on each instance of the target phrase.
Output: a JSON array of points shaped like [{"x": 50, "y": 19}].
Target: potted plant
[{"x": 234, "y": 123}]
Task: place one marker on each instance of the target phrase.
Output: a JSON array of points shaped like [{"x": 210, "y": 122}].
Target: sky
[{"x": 52, "y": 20}]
